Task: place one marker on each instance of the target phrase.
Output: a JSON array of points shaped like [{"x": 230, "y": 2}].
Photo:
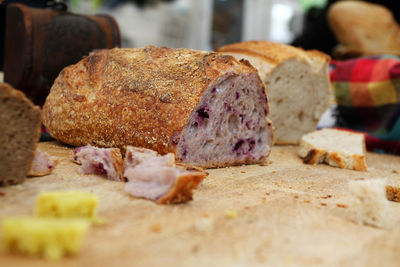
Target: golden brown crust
[
  {"x": 141, "y": 97},
  {"x": 360, "y": 163},
  {"x": 311, "y": 157},
  {"x": 182, "y": 191},
  {"x": 393, "y": 193},
  {"x": 118, "y": 163},
  {"x": 272, "y": 52}
]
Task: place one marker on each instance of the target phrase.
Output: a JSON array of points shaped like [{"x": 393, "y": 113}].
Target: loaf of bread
[
  {"x": 209, "y": 109},
  {"x": 364, "y": 28},
  {"x": 337, "y": 148},
  {"x": 20, "y": 123},
  {"x": 296, "y": 81}
]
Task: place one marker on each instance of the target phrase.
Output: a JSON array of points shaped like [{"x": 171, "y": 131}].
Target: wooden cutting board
[{"x": 286, "y": 213}]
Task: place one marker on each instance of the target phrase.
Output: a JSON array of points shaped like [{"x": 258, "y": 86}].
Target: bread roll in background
[
  {"x": 20, "y": 123},
  {"x": 363, "y": 28},
  {"x": 209, "y": 109},
  {"x": 297, "y": 83}
]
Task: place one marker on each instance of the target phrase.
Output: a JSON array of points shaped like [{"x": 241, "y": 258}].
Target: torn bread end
[{"x": 370, "y": 205}]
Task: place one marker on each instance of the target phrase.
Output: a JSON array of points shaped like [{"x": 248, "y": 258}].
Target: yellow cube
[
  {"x": 50, "y": 237},
  {"x": 67, "y": 204}
]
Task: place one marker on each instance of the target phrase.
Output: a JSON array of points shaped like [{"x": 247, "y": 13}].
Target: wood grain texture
[{"x": 287, "y": 213}]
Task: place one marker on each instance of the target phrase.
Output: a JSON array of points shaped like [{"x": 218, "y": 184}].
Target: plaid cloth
[{"x": 367, "y": 92}]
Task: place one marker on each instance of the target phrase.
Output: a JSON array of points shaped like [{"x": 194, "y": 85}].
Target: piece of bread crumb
[{"x": 370, "y": 206}]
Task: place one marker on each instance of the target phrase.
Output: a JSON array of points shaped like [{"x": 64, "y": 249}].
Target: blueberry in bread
[{"x": 209, "y": 109}]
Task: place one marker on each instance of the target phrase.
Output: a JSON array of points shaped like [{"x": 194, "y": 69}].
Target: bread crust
[
  {"x": 141, "y": 97},
  {"x": 272, "y": 52},
  {"x": 182, "y": 191}
]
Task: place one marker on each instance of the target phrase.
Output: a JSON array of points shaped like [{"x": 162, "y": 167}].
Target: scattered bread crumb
[
  {"x": 307, "y": 201},
  {"x": 327, "y": 196},
  {"x": 2, "y": 194},
  {"x": 231, "y": 213},
  {"x": 242, "y": 171},
  {"x": 156, "y": 228},
  {"x": 340, "y": 205},
  {"x": 204, "y": 225},
  {"x": 323, "y": 204},
  {"x": 394, "y": 171}
]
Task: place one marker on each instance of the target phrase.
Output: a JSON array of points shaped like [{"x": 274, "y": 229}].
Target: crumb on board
[
  {"x": 242, "y": 171},
  {"x": 340, "y": 205},
  {"x": 2, "y": 194},
  {"x": 307, "y": 201},
  {"x": 359, "y": 179},
  {"x": 296, "y": 196},
  {"x": 327, "y": 196},
  {"x": 156, "y": 228},
  {"x": 231, "y": 214},
  {"x": 394, "y": 171},
  {"x": 323, "y": 204},
  {"x": 195, "y": 249},
  {"x": 204, "y": 225}
]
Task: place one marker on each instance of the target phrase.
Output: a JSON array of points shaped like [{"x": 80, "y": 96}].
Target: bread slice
[
  {"x": 158, "y": 178},
  {"x": 373, "y": 28},
  {"x": 337, "y": 148},
  {"x": 210, "y": 110},
  {"x": 370, "y": 205},
  {"x": 20, "y": 123},
  {"x": 296, "y": 81}
]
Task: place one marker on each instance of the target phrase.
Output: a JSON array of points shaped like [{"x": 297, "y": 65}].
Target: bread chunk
[
  {"x": 370, "y": 205},
  {"x": 42, "y": 164},
  {"x": 49, "y": 237},
  {"x": 20, "y": 123},
  {"x": 101, "y": 161},
  {"x": 337, "y": 148},
  {"x": 296, "y": 81},
  {"x": 158, "y": 178},
  {"x": 210, "y": 110}
]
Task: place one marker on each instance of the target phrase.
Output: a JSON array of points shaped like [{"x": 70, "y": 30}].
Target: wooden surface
[{"x": 286, "y": 213}]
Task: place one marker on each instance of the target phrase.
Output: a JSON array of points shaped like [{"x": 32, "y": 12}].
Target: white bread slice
[
  {"x": 370, "y": 204},
  {"x": 337, "y": 148},
  {"x": 296, "y": 81}
]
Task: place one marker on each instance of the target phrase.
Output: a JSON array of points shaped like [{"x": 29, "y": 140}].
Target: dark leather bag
[{"x": 39, "y": 43}]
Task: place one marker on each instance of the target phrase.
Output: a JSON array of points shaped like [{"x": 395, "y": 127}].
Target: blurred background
[{"x": 201, "y": 24}]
